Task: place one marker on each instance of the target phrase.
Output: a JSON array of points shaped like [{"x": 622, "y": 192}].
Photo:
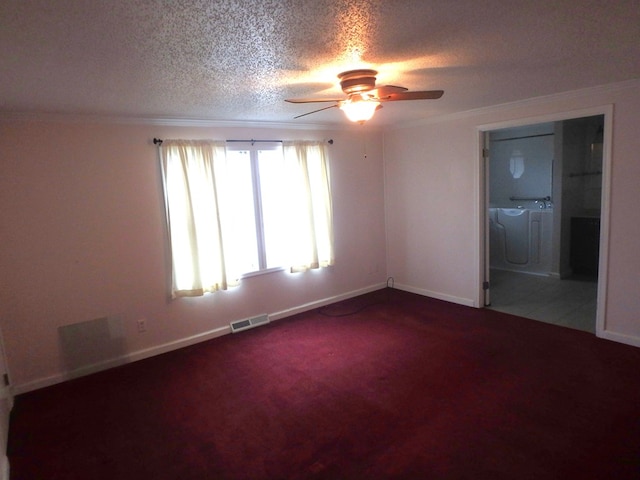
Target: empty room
[{"x": 322, "y": 239}]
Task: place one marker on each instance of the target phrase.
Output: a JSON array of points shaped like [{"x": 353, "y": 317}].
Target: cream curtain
[
  {"x": 311, "y": 215},
  {"x": 196, "y": 207},
  {"x": 205, "y": 246}
]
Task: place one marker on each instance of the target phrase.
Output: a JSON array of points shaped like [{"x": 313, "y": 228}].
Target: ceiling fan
[{"x": 363, "y": 97}]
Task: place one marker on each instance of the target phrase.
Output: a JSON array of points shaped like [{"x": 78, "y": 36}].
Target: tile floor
[{"x": 568, "y": 302}]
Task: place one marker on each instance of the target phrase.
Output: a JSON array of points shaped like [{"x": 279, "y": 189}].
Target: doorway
[{"x": 545, "y": 224}]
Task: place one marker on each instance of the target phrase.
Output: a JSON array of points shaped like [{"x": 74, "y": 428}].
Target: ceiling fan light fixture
[
  {"x": 359, "y": 111},
  {"x": 363, "y": 97}
]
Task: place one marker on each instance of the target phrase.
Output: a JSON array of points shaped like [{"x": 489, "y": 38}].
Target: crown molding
[
  {"x": 580, "y": 93},
  {"x": 204, "y": 122},
  {"x": 161, "y": 121}
]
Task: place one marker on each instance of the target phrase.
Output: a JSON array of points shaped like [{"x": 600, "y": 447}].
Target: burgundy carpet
[{"x": 389, "y": 385}]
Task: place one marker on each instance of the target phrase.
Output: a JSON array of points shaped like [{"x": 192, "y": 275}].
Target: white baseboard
[
  {"x": 620, "y": 338},
  {"x": 325, "y": 301},
  {"x": 439, "y": 296},
  {"x": 607, "y": 335},
  {"x": 208, "y": 335},
  {"x": 177, "y": 344},
  {"x": 4, "y": 468},
  {"x": 118, "y": 361}
]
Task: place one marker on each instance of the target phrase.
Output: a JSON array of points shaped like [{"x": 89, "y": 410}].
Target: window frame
[{"x": 254, "y": 151}]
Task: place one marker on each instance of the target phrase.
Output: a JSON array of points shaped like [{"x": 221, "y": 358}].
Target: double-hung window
[
  {"x": 258, "y": 180},
  {"x": 235, "y": 208}
]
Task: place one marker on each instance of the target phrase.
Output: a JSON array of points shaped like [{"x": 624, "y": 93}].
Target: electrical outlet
[{"x": 142, "y": 325}]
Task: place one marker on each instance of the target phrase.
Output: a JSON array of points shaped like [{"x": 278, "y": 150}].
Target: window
[
  {"x": 258, "y": 180},
  {"x": 234, "y": 209}
]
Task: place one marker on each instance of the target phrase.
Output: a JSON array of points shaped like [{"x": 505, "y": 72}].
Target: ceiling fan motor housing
[
  {"x": 363, "y": 97},
  {"x": 356, "y": 81}
]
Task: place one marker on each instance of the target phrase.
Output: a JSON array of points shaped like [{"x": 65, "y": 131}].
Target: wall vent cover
[{"x": 247, "y": 323}]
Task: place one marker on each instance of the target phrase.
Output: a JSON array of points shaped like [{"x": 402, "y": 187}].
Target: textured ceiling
[{"x": 238, "y": 60}]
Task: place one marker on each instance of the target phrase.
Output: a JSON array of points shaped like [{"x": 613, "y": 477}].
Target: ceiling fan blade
[
  {"x": 315, "y": 111},
  {"x": 312, "y": 100},
  {"x": 386, "y": 90},
  {"x": 424, "y": 95}
]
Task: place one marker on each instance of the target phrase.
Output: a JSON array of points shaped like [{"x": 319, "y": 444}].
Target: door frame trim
[{"x": 482, "y": 201}]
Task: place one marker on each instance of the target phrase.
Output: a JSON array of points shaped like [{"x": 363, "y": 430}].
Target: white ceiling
[{"x": 238, "y": 60}]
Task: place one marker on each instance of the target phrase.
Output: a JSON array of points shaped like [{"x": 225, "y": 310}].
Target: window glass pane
[
  {"x": 274, "y": 202},
  {"x": 242, "y": 247}
]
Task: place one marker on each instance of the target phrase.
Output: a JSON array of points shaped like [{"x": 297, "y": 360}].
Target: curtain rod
[
  {"x": 158, "y": 141},
  {"x": 522, "y": 138}
]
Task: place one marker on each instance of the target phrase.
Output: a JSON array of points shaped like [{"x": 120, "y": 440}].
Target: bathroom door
[
  {"x": 484, "y": 218},
  {"x": 517, "y": 166}
]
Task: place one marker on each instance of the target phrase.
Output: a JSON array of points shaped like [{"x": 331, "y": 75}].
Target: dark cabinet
[{"x": 585, "y": 245}]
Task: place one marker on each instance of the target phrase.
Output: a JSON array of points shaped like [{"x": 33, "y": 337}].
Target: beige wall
[
  {"x": 433, "y": 201},
  {"x": 82, "y": 238},
  {"x": 82, "y": 227}
]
